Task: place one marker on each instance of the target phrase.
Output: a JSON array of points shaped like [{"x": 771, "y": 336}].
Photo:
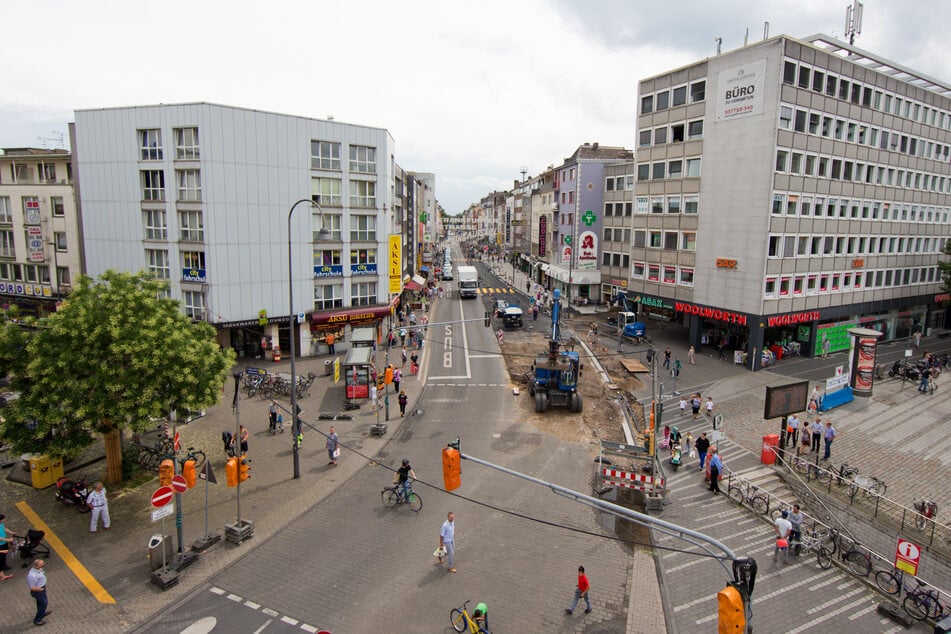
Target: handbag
[
  {"x": 782, "y": 543},
  {"x": 337, "y": 452},
  {"x": 440, "y": 552}
]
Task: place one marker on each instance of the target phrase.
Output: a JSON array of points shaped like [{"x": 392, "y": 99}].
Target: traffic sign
[
  {"x": 162, "y": 496},
  {"x": 165, "y": 511},
  {"x": 907, "y": 556},
  {"x": 718, "y": 435},
  {"x": 717, "y": 421},
  {"x": 179, "y": 483}
]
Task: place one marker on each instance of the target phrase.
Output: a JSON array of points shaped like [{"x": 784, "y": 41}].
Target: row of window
[
  {"x": 821, "y": 81},
  {"x": 617, "y": 260},
  {"x": 325, "y": 155},
  {"x": 673, "y": 133},
  {"x": 329, "y": 296},
  {"x": 8, "y": 242},
  {"x": 832, "y": 282},
  {"x": 678, "y": 168},
  {"x": 186, "y": 144},
  {"x": 33, "y": 273},
  {"x": 669, "y": 240},
  {"x": 619, "y": 183},
  {"x": 57, "y": 208},
  {"x": 821, "y": 124},
  {"x": 333, "y": 257},
  {"x": 191, "y": 227},
  {"x": 675, "y": 204},
  {"x": 818, "y": 166},
  {"x": 828, "y": 207},
  {"x": 663, "y": 273},
  {"x": 188, "y": 183},
  {"x": 677, "y": 96},
  {"x": 25, "y": 173},
  {"x": 327, "y": 191},
  {"x": 617, "y": 234},
  {"x": 812, "y": 245}
]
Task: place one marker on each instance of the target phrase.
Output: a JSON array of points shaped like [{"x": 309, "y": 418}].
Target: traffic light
[
  {"x": 231, "y": 471},
  {"x": 388, "y": 375},
  {"x": 730, "y": 611},
  {"x": 244, "y": 470},
  {"x": 188, "y": 471},
  {"x": 451, "y": 469},
  {"x": 165, "y": 472}
]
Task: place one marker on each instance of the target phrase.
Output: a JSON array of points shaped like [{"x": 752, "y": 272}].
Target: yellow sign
[
  {"x": 396, "y": 263},
  {"x": 336, "y": 370}
]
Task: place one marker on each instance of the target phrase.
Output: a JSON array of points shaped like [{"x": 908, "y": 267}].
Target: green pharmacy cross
[{"x": 588, "y": 218}]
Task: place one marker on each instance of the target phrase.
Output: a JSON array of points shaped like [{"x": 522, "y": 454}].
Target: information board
[{"x": 786, "y": 399}]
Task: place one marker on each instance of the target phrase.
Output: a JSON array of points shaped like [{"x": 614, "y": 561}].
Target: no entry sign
[
  {"x": 179, "y": 483},
  {"x": 162, "y": 496}
]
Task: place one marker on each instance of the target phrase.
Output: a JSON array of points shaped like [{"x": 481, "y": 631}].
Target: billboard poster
[
  {"x": 542, "y": 235},
  {"x": 587, "y": 251},
  {"x": 566, "y": 255},
  {"x": 740, "y": 91}
]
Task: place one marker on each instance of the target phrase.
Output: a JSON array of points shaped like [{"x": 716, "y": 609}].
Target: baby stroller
[
  {"x": 31, "y": 547},
  {"x": 676, "y": 457}
]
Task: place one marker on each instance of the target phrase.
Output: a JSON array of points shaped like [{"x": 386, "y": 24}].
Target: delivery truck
[{"x": 468, "y": 281}]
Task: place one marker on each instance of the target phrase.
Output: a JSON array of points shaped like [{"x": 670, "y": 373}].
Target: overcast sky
[{"x": 470, "y": 91}]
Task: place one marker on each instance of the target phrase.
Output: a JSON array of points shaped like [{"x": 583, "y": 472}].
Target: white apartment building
[
  {"x": 40, "y": 246},
  {"x": 199, "y": 194},
  {"x": 790, "y": 190}
]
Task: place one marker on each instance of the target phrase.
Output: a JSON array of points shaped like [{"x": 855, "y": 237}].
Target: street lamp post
[{"x": 295, "y": 411}]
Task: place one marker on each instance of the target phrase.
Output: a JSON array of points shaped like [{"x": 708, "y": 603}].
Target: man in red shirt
[{"x": 581, "y": 591}]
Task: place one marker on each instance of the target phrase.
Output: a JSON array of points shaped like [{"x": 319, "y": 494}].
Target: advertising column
[{"x": 862, "y": 349}]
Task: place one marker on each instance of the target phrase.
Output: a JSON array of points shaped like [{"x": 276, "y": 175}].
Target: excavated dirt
[{"x": 600, "y": 418}]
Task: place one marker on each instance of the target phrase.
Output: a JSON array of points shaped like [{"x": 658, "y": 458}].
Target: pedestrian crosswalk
[{"x": 496, "y": 290}]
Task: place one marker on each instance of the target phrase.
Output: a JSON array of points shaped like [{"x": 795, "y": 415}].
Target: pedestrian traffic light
[
  {"x": 388, "y": 375},
  {"x": 166, "y": 471},
  {"x": 231, "y": 472},
  {"x": 244, "y": 470},
  {"x": 188, "y": 471},
  {"x": 451, "y": 469},
  {"x": 730, "y": 611}
]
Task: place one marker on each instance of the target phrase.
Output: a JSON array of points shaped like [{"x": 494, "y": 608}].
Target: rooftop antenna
[
  {"x": 524, "y": 171},
  {"x": 766, "y": 30},
  {"x": 853, "y": 21},
  {"x": 719, "y": 41},
  {"x": 57, "y": 139},
  {"x": 746, "y": 36}
]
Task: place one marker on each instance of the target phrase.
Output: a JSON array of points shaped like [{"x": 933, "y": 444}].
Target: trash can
[
  {"x": 155, "y": 551},
  {"x": 880, "y": 371},
  {"x": 56, "y": 469},
  {"x": 328, "y": 367},
  {"x": 770, "y": 446},
  {"x": 41, "y": 474}
]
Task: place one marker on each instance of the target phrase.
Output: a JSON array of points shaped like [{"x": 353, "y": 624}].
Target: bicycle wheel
[
  {"x": 760, "y": 504},
  {"x": 921, "y": 521},
  {"x": 859, "y": 563},
  {"x": 801, "y": 466},
  {"x": 736, "y": 494},
  {"x": 876, "y": 489},
  {"x": 888, "y": 581},
  {"x": 458, "y": 620},
  {"x": 824, "y": 557},
  {"x": 822, "y": 475},
  {"x": 415, "y": 502},
  {"x": 916, "y": 606},
  {"x": 199, "y": 458},
  {"x": 252, "y": 391},
  {"x": 390, "y": 497}
]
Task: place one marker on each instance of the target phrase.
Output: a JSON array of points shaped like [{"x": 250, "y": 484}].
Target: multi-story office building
[
  {"x": 199, "y": 194},
  {"x": 40, "y": 245},
  {"x": 790, "y": 190}
]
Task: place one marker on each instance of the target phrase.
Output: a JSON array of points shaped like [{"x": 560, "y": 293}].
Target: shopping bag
[
  {"x": 337, "y": 452},
  {"x": 693, "y": 453},
  {"x": 439, "y": 553}
]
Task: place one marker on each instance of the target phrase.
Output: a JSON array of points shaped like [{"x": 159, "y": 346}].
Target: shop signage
[
  {"x": 741, "y": 91},
  {"x": 652, "y": 302},
  {"x": 13, "y": 288},
  {"x": 726, "y": 263},
  {"x": 352, "y": 316},
  {"x": 942, "y": 297},
  {"x": 710, "y": 313},
  {"x": 588, "y": 218},
  {"x": 858, "y": 263},
  {"x": 587, "y": 252},
  {"x": 542, "y": 235},
  {"x": 395, "y": 255},
  {"x": 566, "y": 254},
  {"x": 790, "y": 319},
  {"x": 246, "y": 323},
  {"x": 193, "y": 275},
  {"x": 363, "y": 269},
  {"x": 331, "y": 270}
]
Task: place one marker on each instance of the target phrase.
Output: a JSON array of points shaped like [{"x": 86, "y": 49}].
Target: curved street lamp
[{"x": 322, "y": 234}]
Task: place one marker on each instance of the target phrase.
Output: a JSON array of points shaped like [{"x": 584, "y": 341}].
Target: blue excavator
[{"x": 556, "y": 373}]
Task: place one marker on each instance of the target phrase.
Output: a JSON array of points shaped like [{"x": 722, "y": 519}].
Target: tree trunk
[{"x": 111, "y": 439}]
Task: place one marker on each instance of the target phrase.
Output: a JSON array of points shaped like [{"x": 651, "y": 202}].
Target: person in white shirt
[
  {"x": 100, "y": 507},
  {"x": 783, "y": 527},
  {"x": 709, "y": 405}
]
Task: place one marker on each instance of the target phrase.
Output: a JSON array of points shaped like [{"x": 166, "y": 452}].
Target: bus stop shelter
[{"x": 359, "y": 372}]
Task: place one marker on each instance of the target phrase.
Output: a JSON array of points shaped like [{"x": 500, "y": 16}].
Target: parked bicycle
[
  {"x": 462, "y": 622},
  {"x": 746, "y": 492},
  {"x": 810, "y": 469},
  {"x": 927, "y": 510},
  {"x": 809, "y": 542},
  {"x": 193, "y": 454},
  {"x": 859, "y": 562},
  {"x": 920, "y": 602},
  {"x": 870, "y": 486},
  {"x": 394, "y": 495}
]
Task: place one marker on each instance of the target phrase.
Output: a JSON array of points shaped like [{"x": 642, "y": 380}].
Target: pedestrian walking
[
  {"x": 414, "y": 363},
  {"x": 695, "y": 405},
  {"x": 709, "y": 406},
  {"x": 620, "y": 341},
  {"x": 683, "y": 405},
  {"x": 447, "y": 536},
  {"x": 403, "y": 356},
  {"x": 826, "y": 346},
  {"x": 691, "y": 356},
  {"x": 805, "y": 442},
  {"x": 716, "y": 469},
  {"x": 782, "y": 526},
  {"x": 581, "y": 590},
  {"x": 676, "y": 371},
  {"x": 816, "y": 428},
  {"x": 703, "y": 445},
  {"x": 528, "y": 287},
  {"x": 330, "y": 340},
  {"x": 721, "y": 349},
  {"x": 688, "y": 442},
  {"x": 403, "y": 337},
  {"x": 796, "y": 518},
  {"x": 667, "y": 358},
  {"x": 816, "y": 398},
  {"x": 4, "y": 549},
  {"x": 828, "y": 435},
  {"x": 535, "y": 312},
  {"x": 397, "y": 377},
  {"x": 36, "y": 580},
  {"x": 403, "y": 400},
  {"x": 100, "y": 508},
  {"x": 243, "y": 436},
  {"x": 333, "y": 448},
  {"x": 272, "y": 415},
  {"x": 592, "y": 334},
  {"x": 792, "y": 430}
]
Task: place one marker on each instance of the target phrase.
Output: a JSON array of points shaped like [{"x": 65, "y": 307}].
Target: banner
[{"x": 740, "y": 91}]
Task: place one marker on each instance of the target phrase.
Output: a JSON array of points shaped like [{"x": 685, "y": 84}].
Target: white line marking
[
  {"x": 235, "y": 598},
  {"x": 829, "y": 615},
  {"x": 252, "y": 605},
  {"x": 289, "y": 620},
  {"x": 215, "y": 590}
]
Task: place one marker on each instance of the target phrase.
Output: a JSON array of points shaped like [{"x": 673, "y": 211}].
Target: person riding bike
[{"x": 403, "y": 474}]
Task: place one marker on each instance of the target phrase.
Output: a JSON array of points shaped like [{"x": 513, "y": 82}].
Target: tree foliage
[{"x": 115, "y": 355}]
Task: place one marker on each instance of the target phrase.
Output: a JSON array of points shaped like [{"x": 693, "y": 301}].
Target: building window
[
  {"x": 695, "y": 130},
  {"x": 150, "y": 145},
  {"x": 660, "y": 136},
  {"x": 193, "y": 260},
  {"x": 693, "y": 167},
  {"x": 647, "y": 104},
  {"x": 56, "y": 206},
  {"x": 680, "y": 96},
  {"x": 698, "y": 91},
  {"x": 59, "y": 239},
  {"x": 363, "y": 228},
  {"x": 328, "y": 296},
  {"x": 789, "y": 73},
  {"x": 655, "y": 239},
  {"x": 691, "y": 204},
  {"x": 191, "y": 226},
  {"x": 62, "y": 276},
  {"x": 325, "y": 191},
  {"x": 670, "y": 240},
  {"x": 186, "y": 144},
  {"x": 153, "y": 185},
  {"x": 657, "y": 171},
  {"x": 362, "y": 193},
  {"x": 363, "y": 159},
  {"x": 156, "y": 261},
  {"x": 327, "y": 257},
  {"x": 688, "y": 241},
  {"x": 637, "y": 270},
  {"x": 194, "y": 304},
  {"x": 7, "y": 249},
  {"x": 670, "y": 275},
  {"x": 363, "y": 294},
  {"x": 663, "y": 100},
  {"x": 640, "y": 238},
  {"x": 324, "y": 155},
  {"x": 6, "y": 212},
  {"x": 606, "y": 259},
  {"x": 189, "y": 185},
  {"x": 156, "y": 227},
  {"x": 675, "y": 169},
  {"x": 653, "y": 272},
  {"x": 643, "y": 171},
  {"x": 673, "y": 204},
  {"x": 657, "y": 205},
  {"x": 770, "y": 290},
  {"x": 330, "y": 222},
  {"x": 686, "y": 277},
  {"x": 363, "y": 256},
  {"x": 644, "y": 138}
]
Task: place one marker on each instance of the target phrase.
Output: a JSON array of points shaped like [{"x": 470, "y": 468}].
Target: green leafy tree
[{"x": 115, "y": 355}]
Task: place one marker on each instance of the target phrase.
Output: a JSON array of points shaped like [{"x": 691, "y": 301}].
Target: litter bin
[
  {"x": 155, "y": 551},
  {"x": 56, "y": 469},
  {"x": 328, "y": 367},
  {"x": 770, "y": 446},
  {"x": 880, "y": 371},
  {"x": 41, "y": 473}
]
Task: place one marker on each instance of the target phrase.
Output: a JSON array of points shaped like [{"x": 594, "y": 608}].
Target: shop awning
[
  {"x": 578, "y": 276},
  {"x": 412, "y": 286}
]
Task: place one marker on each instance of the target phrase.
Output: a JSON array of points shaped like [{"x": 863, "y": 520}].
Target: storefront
[
  {"x": 255, "y": 338},
  {"x": 576, "y": 282}
]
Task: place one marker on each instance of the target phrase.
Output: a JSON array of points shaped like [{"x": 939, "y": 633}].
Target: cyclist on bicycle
[{"x": 403, "y": 474}]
